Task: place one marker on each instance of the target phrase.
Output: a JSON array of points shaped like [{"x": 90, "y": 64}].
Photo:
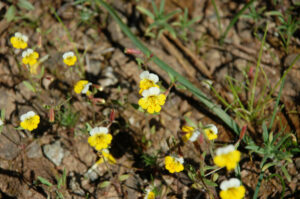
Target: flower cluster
[
  {"x": 191, "y": 134},
  {"x": 69, "y": 58},
  {"x": 227, "y": 157},
  {"x": 30, "y": 120},
  {"x": 82, "y": 87},
  {"x": 19, "y": 41},
  {"x": 232, "y": 189},
  {"x": 152, "y": 99},
  {"x": 174, "y": 164}
]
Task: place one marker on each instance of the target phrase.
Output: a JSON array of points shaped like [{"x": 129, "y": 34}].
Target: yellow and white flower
[
  {"x": 29, "y": 120},
  {"x": 19, "y": 41},
  {"x": 69, "y": 58},
  {"x": 232, "y": 188},
  {"x": 191, "y": 134},
  {"x": 82, "y": 87},
  {"x": 174, "y": 164},
  {"x": 211, "y": 131},
  {"x": 30, "y": 57},
  {"x": 149, "y": 194},
  {"x": 148, "y": 80},
  {"x": 100, "y": 138},
  {"x": 227, "y": 157},
  {"x": 107, "y": 157},
  {"x": 152, "y": 100}
]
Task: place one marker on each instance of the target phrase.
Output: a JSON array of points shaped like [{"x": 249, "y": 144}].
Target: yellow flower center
[
  {"x": 107, "y": 157},
  {"x": 79, "y": 86},
  {"x": 153, "y": 103},
  {"x": 230, "y": 160},
  {"x": 100, "y": 141},
  {"x": 18, "y": 42},
  {"x": 234, "y": 192},
  {"x": 173, "y": 165},
  {"x": 146, "y": 84},
  {"x": 188, "y": 130},
  {"x": 30, "y": 123}
]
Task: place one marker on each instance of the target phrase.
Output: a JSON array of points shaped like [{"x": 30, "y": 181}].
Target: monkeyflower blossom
[
  {"x": 107, "y": 157},
  {"x": 148, "y": 80},
  {"x": 30, "y": 57},
  {"x": 99, "y": 138},
  {"x": 149, "y": 194},
  {"x": 29, "y": 120},
  {"x": 211, "y": 132},
  {"x": 232, "y": 188},
  {"x": 227, "y": 157},
  {"x": 69, "y": 58},
  {"x": 82, "y": 87},
  {"x": 152, "y": 100},
  {"x": 174, "y": 164},
  {"x": 191, "y": 134},
  {"x": 19, "y": 41}
]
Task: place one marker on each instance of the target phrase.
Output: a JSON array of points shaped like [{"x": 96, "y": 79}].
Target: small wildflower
[
  {"x": 174, "y": 164},
  {"x": 211, "y": 132},
  {"x": 19, "y": 41},
  {"x": 82, "y": 87},
  {"x": 29, "y": 120},
  {"x": 152, "y": 100},
  {"x": 107, "y": 157},
  {"x": 30, "y": 57},
  {"x": 149, "y": 194},
  {"x": 227, "y": 156},
  {"x": 69, "y": 58},
  {"x": 232, "y": 189},
  {"x": 148, "y": 80},
  {"x": 191, "y": 134},
  {"x": 100, "y": 138}
]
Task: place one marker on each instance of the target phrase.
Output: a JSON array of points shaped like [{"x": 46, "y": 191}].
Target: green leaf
[
  {"x": 201, "y": 96},
  {"x": 154, "y": 8},
  {"x": 3, "y": 114},
  {"x": 123, "y": 177},
  {"x": 10, "y": 13},
  {"x": 286, "y": 174},
  {"x": 146, "y": 12},
  {"x": 25, "y": 4},
  {"x": 265, "y": 132},
  {"x": 161, "y": 7},
  {"x": 29, "y": 86},
  {"x": 210, "y": 183},
  {"x": 268, "y": 165},
  {"x": 45, "y": 181},
  {"x": 104, "y": 184}
]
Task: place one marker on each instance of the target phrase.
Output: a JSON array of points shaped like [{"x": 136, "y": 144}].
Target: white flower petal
[
  {"x": 194, "y": 137},
  {"x": 225, "y": 150},
  {"x": 154, "y": 91},
  {"x": 145, "y": 93},
  {"x": 179, "y": 159},
  {"x": 212, "y": 127},
  {"x": 1, "y": 122},
  {"x": 27, "y": 115},
  {"x": 18, "y": 34},
  {"x": 227, "y": 184},
  {"x": 68, "y": 54},
  {"x": 24, "y": 38},
  {"x": 98, "y": 130},
  {"x": 144, "y": 74},
  {"x": 86, "y": 88},
  {"x": 153, "y": 77}
]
